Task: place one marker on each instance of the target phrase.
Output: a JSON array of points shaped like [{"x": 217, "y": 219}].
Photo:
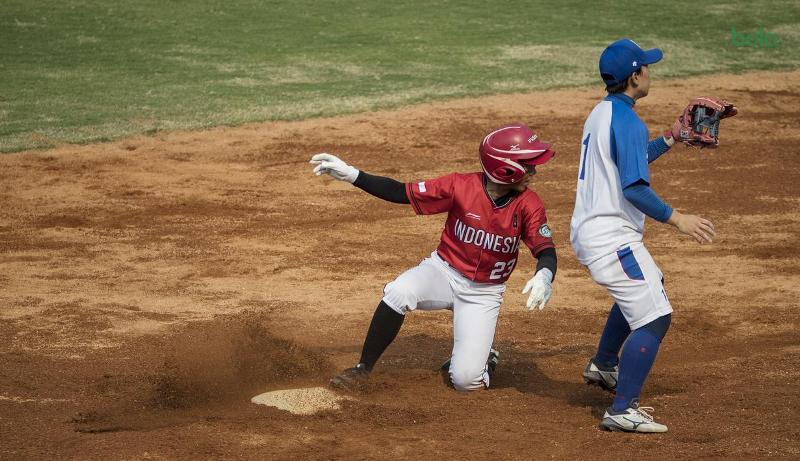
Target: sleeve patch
[
  {"x": 544, "y": 231},
  {"x": 422, "y": 188}
]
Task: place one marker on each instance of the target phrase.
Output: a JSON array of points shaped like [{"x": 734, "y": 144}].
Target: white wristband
[{"x": 352, "y": 175}]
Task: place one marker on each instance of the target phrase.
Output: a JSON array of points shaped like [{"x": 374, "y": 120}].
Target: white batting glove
[
  {"x": 540, "y": 287},
  {"x": 334, "y": 166}
]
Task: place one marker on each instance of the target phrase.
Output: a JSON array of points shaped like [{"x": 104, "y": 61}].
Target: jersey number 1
[{"x": 585, "y": 154}]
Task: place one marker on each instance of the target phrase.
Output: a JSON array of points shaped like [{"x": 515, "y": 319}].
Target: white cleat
[
  {"x": 633, "y": 419},
  {"x": 607, "y": 379}
]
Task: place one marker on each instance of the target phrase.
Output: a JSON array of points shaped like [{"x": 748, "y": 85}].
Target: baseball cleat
[
  {"x": 445, "y": 366},
  {"x": 351, "y": 378},
  {"x": 603, "y": 377},
  {"x": 492, "y": 361},
  {"x": 633, "y": 419}
]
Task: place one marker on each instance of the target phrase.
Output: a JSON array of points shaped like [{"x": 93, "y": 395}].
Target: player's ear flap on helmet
[{"x": 506, "y": 172}]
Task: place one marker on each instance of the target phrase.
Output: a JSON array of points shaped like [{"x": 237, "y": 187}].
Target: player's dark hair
[{"x": 623, "y": 85}]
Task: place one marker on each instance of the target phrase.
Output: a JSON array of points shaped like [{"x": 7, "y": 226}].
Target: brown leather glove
[{"x": 698, "y": 125}]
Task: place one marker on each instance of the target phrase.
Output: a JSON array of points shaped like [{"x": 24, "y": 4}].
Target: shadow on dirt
[{"x": 519, "y": 370}]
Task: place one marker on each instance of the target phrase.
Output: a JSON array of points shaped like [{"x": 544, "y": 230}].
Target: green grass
[{"x": 90, "y": 71}]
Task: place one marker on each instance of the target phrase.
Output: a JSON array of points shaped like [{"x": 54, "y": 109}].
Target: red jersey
[{"x": 481, "y": 240}]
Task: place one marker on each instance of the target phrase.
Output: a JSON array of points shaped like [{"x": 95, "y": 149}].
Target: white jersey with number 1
[
  {"x": 606, "y": 229},
  {"x": 604, "y": 220}
]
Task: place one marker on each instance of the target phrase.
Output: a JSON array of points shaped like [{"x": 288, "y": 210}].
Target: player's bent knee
[
  {"x": 397, "y": 298},
  {"x": 468, "y": 380},
  {"x": 399, "y": 308},
  {"x": 659, "y": 326}
]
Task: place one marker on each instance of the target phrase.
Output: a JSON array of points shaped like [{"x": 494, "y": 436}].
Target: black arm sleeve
[
  {"x": 547, "y": 258},
  {"x": 384, "y": 188}
]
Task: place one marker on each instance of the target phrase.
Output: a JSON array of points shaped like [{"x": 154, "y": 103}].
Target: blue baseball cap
[{"x": 624, "y": 57}]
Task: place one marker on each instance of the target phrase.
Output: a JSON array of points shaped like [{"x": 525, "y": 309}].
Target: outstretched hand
[
  {"x": 541, "y": 289},
  {"x": 701, "y": 229},
  {"x": 332, "y": 165}
]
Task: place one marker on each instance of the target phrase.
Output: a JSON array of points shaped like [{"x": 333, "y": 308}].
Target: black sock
[{"x": 386, "y": 323}]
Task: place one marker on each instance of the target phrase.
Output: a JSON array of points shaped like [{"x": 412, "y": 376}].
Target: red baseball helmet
[{"x": 507, "y": 150}]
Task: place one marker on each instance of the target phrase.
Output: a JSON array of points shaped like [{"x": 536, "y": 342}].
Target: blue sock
[
  {"x": 614, "y": 335},
  {"x": 634, "y": 366}
]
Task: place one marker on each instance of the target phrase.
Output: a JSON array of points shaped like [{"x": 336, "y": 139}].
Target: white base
[{"x": 304, "y": 401}]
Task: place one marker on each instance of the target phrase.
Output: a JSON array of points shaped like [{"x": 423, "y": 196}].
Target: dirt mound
[
  {"x": 226, "y": 359},
  {"x": 197, "y": 367}
]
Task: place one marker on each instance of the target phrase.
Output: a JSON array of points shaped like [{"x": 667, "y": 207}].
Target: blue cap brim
[{"x": 652, "y": 56}]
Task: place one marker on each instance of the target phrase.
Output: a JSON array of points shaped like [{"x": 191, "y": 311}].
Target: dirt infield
[{"x": 150, "y": 287}]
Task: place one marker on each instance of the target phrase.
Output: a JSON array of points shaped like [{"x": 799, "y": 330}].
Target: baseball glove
[{"x": 698, "y": 126}]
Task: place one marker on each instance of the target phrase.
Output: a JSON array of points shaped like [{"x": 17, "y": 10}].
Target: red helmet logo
[{"x": 505, "y": 151}]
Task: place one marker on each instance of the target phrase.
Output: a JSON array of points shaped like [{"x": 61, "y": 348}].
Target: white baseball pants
[
  {"x": 434, "y": 285},
  {"x": 635, "y": 282}
]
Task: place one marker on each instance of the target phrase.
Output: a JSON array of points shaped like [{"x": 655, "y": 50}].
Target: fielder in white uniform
[{"x": 612, "y": 198}]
